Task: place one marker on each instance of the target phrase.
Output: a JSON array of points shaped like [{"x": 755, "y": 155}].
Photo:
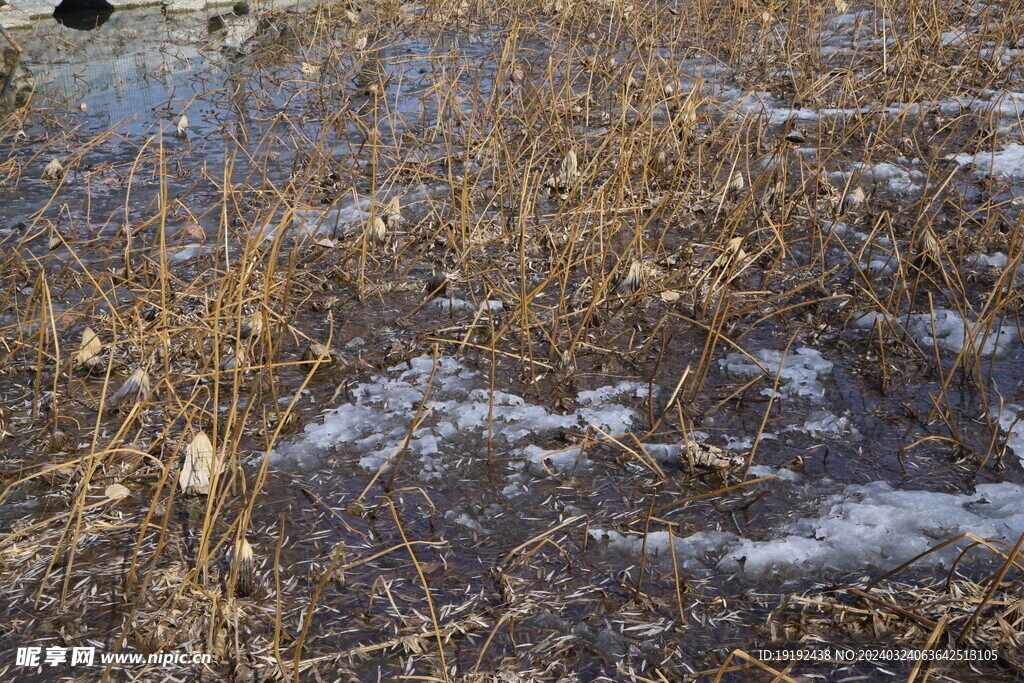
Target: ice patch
[
  {"x": 345, "y": 219},
  {"x": 1012, "y": 423},
  {"x": 449, "y": 305},
  {"x": 463, "y": 520},
  {"x": 824, "y": 423},
  {"x": 835, "y": 228},
  {"x": 374, "y": 423},
  {"x": 949, "y": 332},
  {"x": 541, "y": 461},
  {"x": 1004, "y": 103},
  {"x": 879, "y": 267},
  {"x": 955, "y": 37},
  {"x": 996, "y": 261},
  {"x": 600, "y": 408},
  {"x": 780, "y": 472},
  {"x": 185, "y": 253},
  {"x": 889, "y": 176},
  {"x": 799, "y": 377},
  {"x": 761, "y": 105},
  {"x": 849, "y": 19},
  {"x": 1006, "y": 163},
  {"x": 862, "y": 528}
]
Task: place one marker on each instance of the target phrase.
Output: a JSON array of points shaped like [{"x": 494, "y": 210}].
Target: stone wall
[
  {"x": 20, "y": 81},
  {"x": 21, "y": 13},
  {"x": 136, "y": 54}
]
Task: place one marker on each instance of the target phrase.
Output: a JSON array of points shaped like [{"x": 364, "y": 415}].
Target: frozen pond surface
[
  {"x": 861, "y": 528},
  {"x": 856, "y": 363},
  {"x": 852, "y": 528},
  {"x": 462, "y": 415}
]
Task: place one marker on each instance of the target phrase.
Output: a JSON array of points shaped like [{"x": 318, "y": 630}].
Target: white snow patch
[
  {"x": 890, "y": 176},
  {"x": 376, "y": 420},
  {"x": 861, "y": 528},
  {"x": 948, "y": 331},
  {"x": 824, "y": 423},
  {"x": 799, "y": 377},
  {"x": 1006, "y": 163},
  {"x": 449, "y": 305},
  {"x": 1012, "y": 423}
]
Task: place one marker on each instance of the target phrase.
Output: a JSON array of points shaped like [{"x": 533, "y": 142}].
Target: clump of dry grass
[{"x": 630, "y": 218}]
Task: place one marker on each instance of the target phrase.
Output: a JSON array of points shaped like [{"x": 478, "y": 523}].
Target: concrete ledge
[{"x": 18, "y": 14}]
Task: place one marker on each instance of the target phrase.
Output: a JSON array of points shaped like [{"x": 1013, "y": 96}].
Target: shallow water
[{"x": 499, "y": 459}]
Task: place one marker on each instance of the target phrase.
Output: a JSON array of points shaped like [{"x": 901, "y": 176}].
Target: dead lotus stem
[
  {"x": 737, "y": 183},
  {"x": 378, "y": 230},
  {"x": 747, "y": 224},
  {"x": 252, "y": 325},
  {"x": 393, "y": 214}
]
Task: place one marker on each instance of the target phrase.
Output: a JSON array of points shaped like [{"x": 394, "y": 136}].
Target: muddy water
[{"x": 496, "y": 460}]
